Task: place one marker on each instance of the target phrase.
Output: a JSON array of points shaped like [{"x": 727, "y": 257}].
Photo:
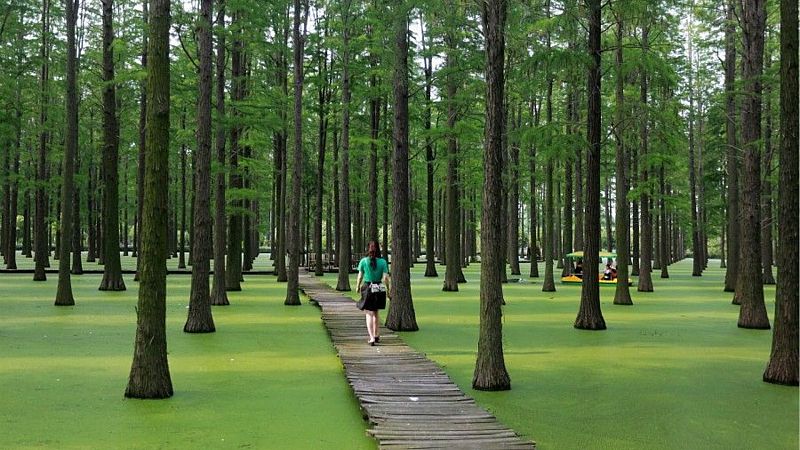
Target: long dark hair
[{"x": 374, "y": 252}]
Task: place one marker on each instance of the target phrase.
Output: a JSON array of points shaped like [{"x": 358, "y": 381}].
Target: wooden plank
[{"x": 409, "y": 399}]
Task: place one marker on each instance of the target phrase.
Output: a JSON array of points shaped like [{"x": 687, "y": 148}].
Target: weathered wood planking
[{"x": 409, "y": 400}]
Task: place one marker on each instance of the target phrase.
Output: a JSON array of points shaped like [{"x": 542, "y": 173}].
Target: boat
[{"x": 578, "y": 255}]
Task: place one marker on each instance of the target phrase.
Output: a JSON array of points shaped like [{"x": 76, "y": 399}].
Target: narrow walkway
[{"x": 408, "y": 399}]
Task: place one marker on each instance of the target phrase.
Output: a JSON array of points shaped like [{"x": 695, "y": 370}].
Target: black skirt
[{"x": 371, "y": 301}]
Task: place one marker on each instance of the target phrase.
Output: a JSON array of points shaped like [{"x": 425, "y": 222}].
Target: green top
[{"x": 373, "y": 275}]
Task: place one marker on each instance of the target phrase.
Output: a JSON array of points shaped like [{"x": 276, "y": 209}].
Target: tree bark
[
  {"x": 233, "y": 270},
  {"x": 783, "y": 361},
  {"x": 40, "y": 238},
  {"x": 293, "y": 270},
  {"x": 430, "y": 159},
  {"x": 149, "y": 377},
  {"x": 490, "y": 370},
  {"x": 343, "y": 248},
  {"x": 219, "y": 295},
  {"x": 401, "y": 316},
  {"x": 766, "y": 186},
  {"x": 732, "y": 155},
  {"x": 646, "y": 247},
  {"x": 534, "y": 247},
  {"x": 749, "y": 285},
  {"x": 452, "y": 230},
  {"x": 112, "y": 268},
  {"x": 64, "y": 296},
  {"x": 324, "y": 94},
  {"x": 142, "y": 144},
  {"x": 622, "y": 294},
  {"x": 548, "y": 285},
  {"x": 697, "y": 263},
  {"x": 200, "y": 319},
  {"x": 589, "y": 315}
]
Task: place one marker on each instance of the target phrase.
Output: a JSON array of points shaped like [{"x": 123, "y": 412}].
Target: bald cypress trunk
[
  {"x": 149, "y": 377},
  {"x": 646, "y": 248},
  {"x": 534, "y": 226},
  {"x": 294, "y": 238},
  {"x": 548, "y": 285},
  {"x": 112, "y": 268},
  {"x": 490, "y": 371},
  {"x": 142, "y": 145},
  {"x": 401, "y": 316},
  {"x": 766, "y": 186},
  {"x": 622, "y": 294},
  {"x": 219, "y": 295},
  {"x": 199, "y": 319},
  {"x": 40, "y": 238},
  {"x": 64, "y": 295},
  {"x": 732, "y": 156},
  {"x": 452, "y": 230},
  {"x": 783, "y": 362},
  {"x": 589, "y": 315},
  {"x": 749, "y": 284},
  {"x": 233, "y": 272},
  {"x": 430, "y": 222},
  {"x": 343, "y": 248}
]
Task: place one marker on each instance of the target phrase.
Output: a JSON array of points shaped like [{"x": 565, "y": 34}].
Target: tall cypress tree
[
  {"x": 64, "y": 295},
  {"x": 112, "y": 269},
  {"x": 589, "y": 315},
  {"x": 149, "y": 377},
  {"x": 490, "y": 370}
]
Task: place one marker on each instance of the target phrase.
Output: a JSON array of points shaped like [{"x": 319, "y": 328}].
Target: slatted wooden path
[{"x": 408, "y": 399}]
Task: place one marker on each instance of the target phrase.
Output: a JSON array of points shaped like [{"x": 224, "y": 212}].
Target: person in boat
[
  {"x": 610, "y": 272},
  {"x": 578, "y": 271}
]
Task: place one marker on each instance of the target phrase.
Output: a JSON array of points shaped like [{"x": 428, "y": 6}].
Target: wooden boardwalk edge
[{"x": 408, "y": 399}]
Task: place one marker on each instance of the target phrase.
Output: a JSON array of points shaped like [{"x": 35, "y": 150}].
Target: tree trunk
[
  {"x": 697, "y": 263},
  {"x": 622, "y": 294},
  {"x": 293, "y": 271},
  {"x": 732, "y": 155},
  {"x": 646, "y": 247},
  {"x": 149, "y": 377},
  {"x": 567, "y": 230},
  {"x": 142, "y": 144},
  {"x": 112, "y": 269},
  {"x": 77, "y": 267},
  {"x": 749, "y": 285},
  {"x": 343, "y": 248},
  {"x": 64, "y": 295},
  {"x": 40, "y": 238},
  {"x": 664, "y": 230},
  {"x": 452, "y": 231},
  {"x": 219, "y": 295},
  {"x": 182, "y": 233},
  {"x": 401, "y": 316},
  {"x": 589, "y": 315},
  {"x": 233, "y": 270},
  {"x": 430, "y": 159},
  {"x": 200, "y": 319},
  {"x": 766, "y": 186},
  {"x": 534, "y": 247},
  {"x": 783, "y": 361},
  {"x": 513, "y": 201},
  {"x": 324, "y": 97},
  {"x": 490, "y": 370}
]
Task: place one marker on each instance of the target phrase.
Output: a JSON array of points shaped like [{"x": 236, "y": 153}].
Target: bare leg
[
  {"x": 376, "y": 325},
  {"x": 370, "y": 316}
]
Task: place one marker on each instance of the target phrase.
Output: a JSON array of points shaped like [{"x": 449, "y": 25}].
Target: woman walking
[{"x": 373, "y": 282}]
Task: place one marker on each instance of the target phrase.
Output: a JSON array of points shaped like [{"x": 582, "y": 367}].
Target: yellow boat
[{"x": 573, "y": 279}]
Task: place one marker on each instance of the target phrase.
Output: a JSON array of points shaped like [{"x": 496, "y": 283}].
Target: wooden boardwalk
[{"x": 408, "y": 399}]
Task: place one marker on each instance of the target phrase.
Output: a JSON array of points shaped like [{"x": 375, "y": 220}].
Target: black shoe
[
  {"x": 372, "y": 343},
  {"x": 377, "y": 339}
]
